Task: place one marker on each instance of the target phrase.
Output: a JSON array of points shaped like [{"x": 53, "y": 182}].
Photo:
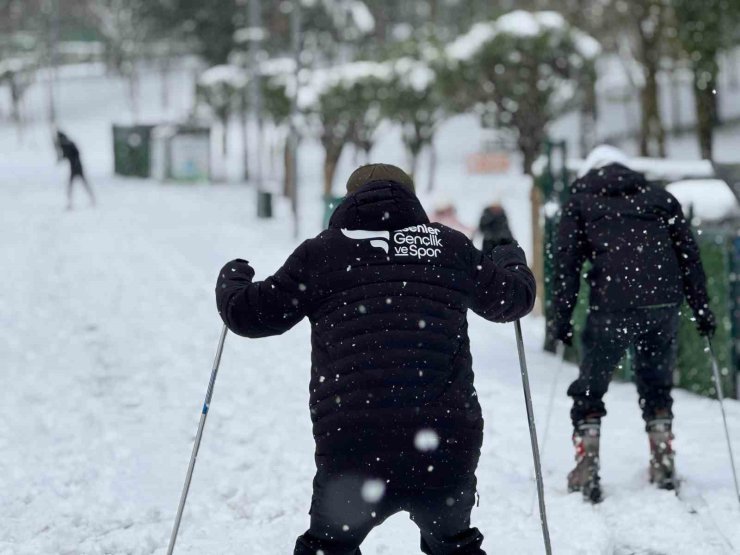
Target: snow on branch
[{"x": 524, "y": 24}]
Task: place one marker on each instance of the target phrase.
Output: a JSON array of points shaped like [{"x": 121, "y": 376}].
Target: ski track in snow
[
  {"x": 109, "y": 328},
  {"x": 107, "y": 333}
]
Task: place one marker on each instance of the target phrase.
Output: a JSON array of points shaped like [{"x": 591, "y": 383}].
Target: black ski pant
[
  {"x": 345, "y": 508},
  {"x": 652, "y": 332}
]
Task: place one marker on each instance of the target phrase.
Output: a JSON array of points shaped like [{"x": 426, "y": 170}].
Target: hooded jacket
[
  {"x": 387, "y": 294},
  {"x": 640, "y": 246}
]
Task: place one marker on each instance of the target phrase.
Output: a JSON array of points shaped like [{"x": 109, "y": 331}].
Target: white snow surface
[
  {"x": 710, "y": 199},
  {"x": 107, "y": 333}
]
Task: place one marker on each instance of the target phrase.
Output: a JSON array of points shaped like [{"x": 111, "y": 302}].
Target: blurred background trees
[{"x": 517, "y": 82}]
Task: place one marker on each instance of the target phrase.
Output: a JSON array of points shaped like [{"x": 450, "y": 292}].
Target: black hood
[
  {"x": 614, "y": 180},
  {"x": 378, "y": 206}
]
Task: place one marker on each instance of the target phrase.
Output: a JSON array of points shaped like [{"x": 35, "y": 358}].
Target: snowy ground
[{"x": 107, "y": 333}]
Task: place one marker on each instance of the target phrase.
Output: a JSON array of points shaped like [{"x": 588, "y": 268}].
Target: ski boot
[
  {"x": 662, "y": 456},
  {"x": 585, "y": 476}
]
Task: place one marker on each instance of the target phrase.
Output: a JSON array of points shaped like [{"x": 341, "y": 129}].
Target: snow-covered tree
[
  {"x": 221, "y": 88},
  {"x": 520, "y": 71},
  {"x": 123, "y": 27},
  {"x": 278, "y": 88},
  {"x": 337, "y": 101},
  {"x": 417, "y": 103},
  {"x": 704, "y": 30}
]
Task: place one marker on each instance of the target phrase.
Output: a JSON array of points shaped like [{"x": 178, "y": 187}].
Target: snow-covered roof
[
  {"x": 523, "y": 24},
  {"x": 709, "y": 199},
  {"x": 231, "y": 75}
]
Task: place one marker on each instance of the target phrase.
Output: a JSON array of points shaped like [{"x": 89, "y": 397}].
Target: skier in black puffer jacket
[
  {"x": 644, "y": 262},
  {"x": 395, "y": 414}
]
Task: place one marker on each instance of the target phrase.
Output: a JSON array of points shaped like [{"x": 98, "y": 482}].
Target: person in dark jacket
[
  {"x": 67, "y": 149},
  {"x": 395, "y": 413},
  {"x": 643, "y": 262},
  {"x": 494, "y": 227}
]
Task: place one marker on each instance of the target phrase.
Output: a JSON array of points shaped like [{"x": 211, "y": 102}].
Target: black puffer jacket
[
  {"x": 387, "y": 295},
  {"x": 637, "y": 239}
]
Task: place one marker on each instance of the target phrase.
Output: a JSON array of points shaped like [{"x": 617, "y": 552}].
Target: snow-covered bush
[
  {"x": 520, "y": 71},
  {"x": 221, "y": 88}
]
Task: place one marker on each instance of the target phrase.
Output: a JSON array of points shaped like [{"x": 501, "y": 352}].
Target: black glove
[
  {"x": 234, "y": 273},
  {"x": 705, "y": 323},
  {"x": 562, "y": 331}
]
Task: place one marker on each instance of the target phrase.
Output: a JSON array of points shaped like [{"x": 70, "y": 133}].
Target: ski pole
[
  {"x": 720, "y": 397},
  {"x": 560, "y": 354},
  {"x": 533, "y": 436},
  {"x": 198, "y": 436}
]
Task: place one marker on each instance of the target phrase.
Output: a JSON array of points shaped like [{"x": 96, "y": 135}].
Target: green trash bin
[
  {"x": 264, "y": 204},
  {"x": 330, "y": 204},
  {"x": 132, "y": 150}
]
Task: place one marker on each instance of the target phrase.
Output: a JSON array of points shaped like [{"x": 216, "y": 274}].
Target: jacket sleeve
[
  {"x": 264, "y": 308},
  {"x": 687, "y": 251},
  {"x": 571, "y": 251},
  {"x": 504, "y": 287}
]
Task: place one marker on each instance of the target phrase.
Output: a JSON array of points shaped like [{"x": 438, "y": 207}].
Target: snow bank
[
  {"x": 710, "y": 199},
  {"x": 521, "y": 23}
]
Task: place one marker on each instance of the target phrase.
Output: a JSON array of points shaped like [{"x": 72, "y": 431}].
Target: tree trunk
[
  {"x": 225, "y": 136},
  {"x": 413, "y": 162},
  {"x": 588, "y": 115},
  {"x": 331, "y": 160},
  {"x": 531, "y": 138},
  {"x": 244, "y": 123},
  {"x": 288, "y": 177},
  {"x": 649, "y": 23},
  {"x": 164, "y": 72},
  {"x": 652, "y": 134},
  {"x": 705, "y": 87},
  {"x": 432, "y": 166},
  {"x": 133, "y": 92},
  {"x": 675, "y": 100},
  {"x": 538, "y": 247}
]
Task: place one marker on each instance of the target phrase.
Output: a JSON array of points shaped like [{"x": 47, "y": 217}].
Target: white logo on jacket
[
  {"x": 378, "y": 239},
  {"x": 419, "y": 241}
]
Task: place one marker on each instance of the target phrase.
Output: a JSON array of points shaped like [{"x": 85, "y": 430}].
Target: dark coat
[
  {"x": 494, "y": 226},
  {"x": 387, "y": 296},
  {"x": 640, "y": 246},
  {"x": 70, "y": 151}
]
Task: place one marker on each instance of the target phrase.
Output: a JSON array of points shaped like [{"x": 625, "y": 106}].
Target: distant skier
[
  {"x": 445, "y": 213},
  {"x": 66, "y": 148},
  {"x": 395, "y": 413},
  {"x": 494, "y": 227},
  {"x": 644, "y": 261}
]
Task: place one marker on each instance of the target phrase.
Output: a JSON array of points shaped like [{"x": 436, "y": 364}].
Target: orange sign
[{"x": 488, "y": 162}]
